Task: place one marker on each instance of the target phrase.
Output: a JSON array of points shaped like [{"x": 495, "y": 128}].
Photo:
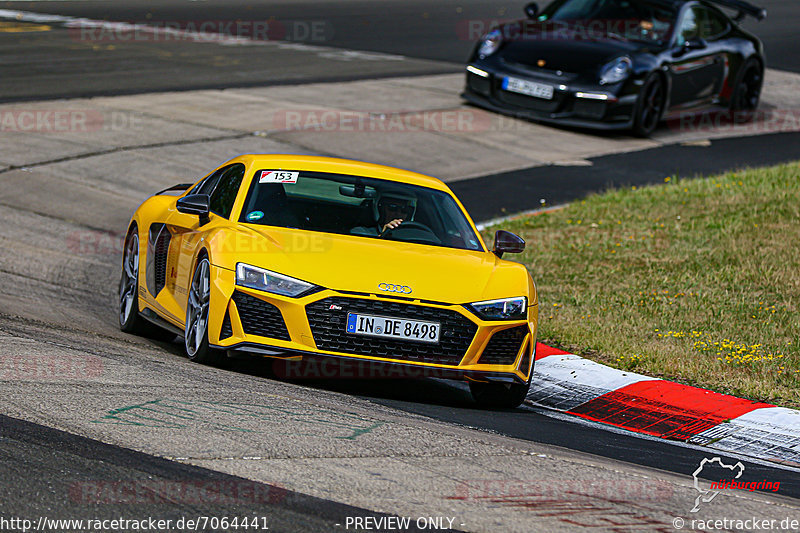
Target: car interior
[{"x": 337, "y": 213}]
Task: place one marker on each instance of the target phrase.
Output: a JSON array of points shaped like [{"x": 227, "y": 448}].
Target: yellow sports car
[{"x": 312, "y": 258}]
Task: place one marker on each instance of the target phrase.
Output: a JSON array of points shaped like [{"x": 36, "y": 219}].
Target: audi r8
[
  {"x": 619, "y": 64},
  {"x": 289, "y": 257}
]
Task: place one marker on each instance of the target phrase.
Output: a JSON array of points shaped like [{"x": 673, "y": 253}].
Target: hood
[
  {"x": 565, "y": 49},
  {"x": 360, "y": 264}
]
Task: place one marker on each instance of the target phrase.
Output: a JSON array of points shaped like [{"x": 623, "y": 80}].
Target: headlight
[
  {"x": 490, "y": 43},
  {"x": 266, "y": 280},
  {"x": 505, "y": 309},
  {"x": 616, "y": 70}
]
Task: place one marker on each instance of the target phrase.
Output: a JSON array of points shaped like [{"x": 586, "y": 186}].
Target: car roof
[
  {"x": 336, "y": 166},
  {"x": 740, "y": 5},
  {"x": 675, "y": 4}
]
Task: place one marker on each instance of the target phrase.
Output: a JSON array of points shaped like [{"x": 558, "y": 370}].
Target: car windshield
[
  {"x": 358, "y": 206},
  {"x": 635, "y": 20}
]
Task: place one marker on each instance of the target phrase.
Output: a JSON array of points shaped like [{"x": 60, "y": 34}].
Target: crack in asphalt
[
  {"x": 53, "y": 329},
  {"x": 46, "y": 282},
  {"x": 354, "y": 456},
  {"x": 122, "y": 149},
  {"x": 53, "y": 217}
]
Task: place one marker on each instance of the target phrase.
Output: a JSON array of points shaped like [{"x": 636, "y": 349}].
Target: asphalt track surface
[
  {"x": 420, "y": 30},
  {"x": 47, "y": 464},
  {"x": 452, "y": 403},
  {"x": 433, "y": 37},
  {"x": 512, "y": 191}
]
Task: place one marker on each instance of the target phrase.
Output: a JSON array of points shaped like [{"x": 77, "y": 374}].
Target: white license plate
[
  {"x": 393, "y": 328},
  {"x": 531, "y": 88}
]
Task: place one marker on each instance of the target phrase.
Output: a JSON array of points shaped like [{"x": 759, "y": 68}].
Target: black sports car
[{"x": 618, "y": 64}]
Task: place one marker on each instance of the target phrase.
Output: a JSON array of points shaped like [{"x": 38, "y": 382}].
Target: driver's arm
[{"x": 392, "y": 224}]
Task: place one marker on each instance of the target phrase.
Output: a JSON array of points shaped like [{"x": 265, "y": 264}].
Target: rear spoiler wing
[
  {"x": 744, "y": 8},
  {"x": 178, "y": 187}
]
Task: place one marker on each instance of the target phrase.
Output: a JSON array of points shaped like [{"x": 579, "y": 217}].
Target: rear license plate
[
  {"x": 393, "y": 328},
  {"x": 530, "y": 88}
]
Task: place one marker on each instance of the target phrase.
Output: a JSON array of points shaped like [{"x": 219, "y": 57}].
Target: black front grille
[
  {"x": 479, "y": 84},
  {"x": 503, "y": 347},
  {"x": 589, "y": 108},
  {"x": 328, "y": 326},
  {"x": 260, "y": 318}
]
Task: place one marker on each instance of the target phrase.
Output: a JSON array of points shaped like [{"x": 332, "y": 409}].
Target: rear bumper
[
  {"x": 312, "y": 329},
  {"x": 573, "y": 105}
]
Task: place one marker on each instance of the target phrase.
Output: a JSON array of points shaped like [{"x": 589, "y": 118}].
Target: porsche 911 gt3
[{"x": 619, "y": 64}]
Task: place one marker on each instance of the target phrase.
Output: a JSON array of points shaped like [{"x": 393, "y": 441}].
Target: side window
[
  {"x": 227, "y": 188},
  {"x": 207, "y": 185},
  {"x": 690, "y": 25},
  {"x": 715, "y": 25}
]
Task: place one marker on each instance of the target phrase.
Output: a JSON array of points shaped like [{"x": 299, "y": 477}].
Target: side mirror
[
  {"x": 698, "y": 43},
  {"x": 695, "y": 43},
  {"x": 531, "y": 10},
  {"x": 195, "y": 204},
  {"x": 507, "y": 242}
]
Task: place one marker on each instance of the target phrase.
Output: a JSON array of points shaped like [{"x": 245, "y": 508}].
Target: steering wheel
[{"x": 410, "y": 225}]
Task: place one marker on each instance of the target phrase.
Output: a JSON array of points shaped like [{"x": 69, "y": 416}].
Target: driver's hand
[{"x": 392, "y": 224}]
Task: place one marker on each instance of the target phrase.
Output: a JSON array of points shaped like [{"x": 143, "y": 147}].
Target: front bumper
[
  {"x": 573, "y": 103},
  {"x": 312, "y": 327}
]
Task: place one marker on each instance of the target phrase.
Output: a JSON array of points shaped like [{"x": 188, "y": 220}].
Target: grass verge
[{"x": 694, "y": 280}]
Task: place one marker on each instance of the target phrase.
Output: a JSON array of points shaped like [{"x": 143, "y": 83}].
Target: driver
[{"x": 391, "y": 209}]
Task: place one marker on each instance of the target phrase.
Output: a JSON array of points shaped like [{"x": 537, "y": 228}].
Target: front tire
[
  {"x": 129, "y": 319},
  {"x": 197, "y": 307},
  {"x": 649, "y": 107},
  {"x": 499, "y": 395}
]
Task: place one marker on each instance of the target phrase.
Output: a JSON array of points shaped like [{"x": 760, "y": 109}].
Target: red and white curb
[{"x": 664, "y": 409}]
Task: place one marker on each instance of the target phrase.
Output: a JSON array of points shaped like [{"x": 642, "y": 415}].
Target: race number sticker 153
[{"x": 278, "y": 176}]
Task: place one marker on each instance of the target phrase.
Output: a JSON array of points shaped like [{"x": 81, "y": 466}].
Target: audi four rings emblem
[{"x": 402, "y": 289}]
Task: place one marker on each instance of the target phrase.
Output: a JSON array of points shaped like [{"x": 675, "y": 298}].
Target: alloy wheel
[
  {"x": 129, "y": 280},
  {"x": 652, "y": 106},
  {"x": 749, "y": 91},
  {"x": 197, "y": 309}
]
